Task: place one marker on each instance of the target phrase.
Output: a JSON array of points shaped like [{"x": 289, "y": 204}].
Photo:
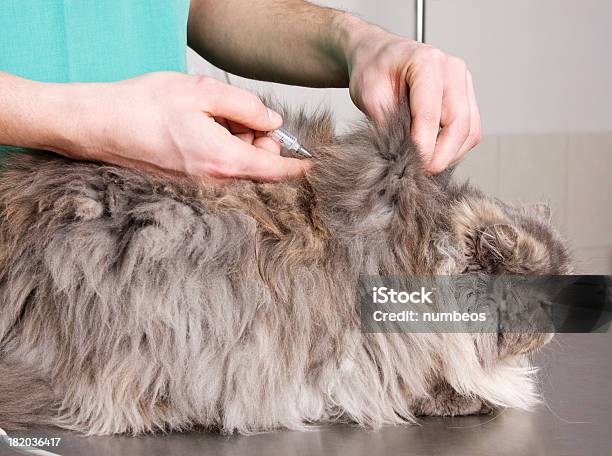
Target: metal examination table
[{"x": 577, "y": 420}]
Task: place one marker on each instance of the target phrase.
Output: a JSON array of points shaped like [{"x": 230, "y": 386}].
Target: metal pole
[{"x": 420, "y": 21}]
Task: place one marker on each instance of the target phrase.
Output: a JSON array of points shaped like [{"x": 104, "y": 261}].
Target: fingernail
[{"x": 274, "y": 116}]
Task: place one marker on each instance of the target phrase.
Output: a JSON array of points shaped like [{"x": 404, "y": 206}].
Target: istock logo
[{"x": 384, "y": 295}]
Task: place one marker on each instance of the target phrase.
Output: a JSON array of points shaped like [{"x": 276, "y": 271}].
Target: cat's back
[{"x": 79, "y": 212}]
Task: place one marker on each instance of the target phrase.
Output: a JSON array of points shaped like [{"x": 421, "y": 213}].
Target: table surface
[{"x": 576, "y": 419}]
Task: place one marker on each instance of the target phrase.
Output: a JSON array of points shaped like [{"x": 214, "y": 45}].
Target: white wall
[{"x": 538, "y": 65}]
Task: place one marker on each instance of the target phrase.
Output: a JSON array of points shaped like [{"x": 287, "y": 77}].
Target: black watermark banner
[{"x": 480, "y": 303}]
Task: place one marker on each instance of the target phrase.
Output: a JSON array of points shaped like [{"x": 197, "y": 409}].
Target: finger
[
  {"x": 241, "y": 132},
  {"x": 221, "y": 121},
  {"x": 237, "y": 128},
  {"x": 246, "y": 137},
  {"x": 263, "y": 141},
  {"x": 238, "y": 105},
  {"x": 267, "y": 143},
  {"x": 455, "y": 119},
  {"x": 262, "y": 165},
  {"x": 247, "y": 161},
  {"x": 473, "y": 138},
  {"x": 258, "y": 139},
  {"x": 426, "y": 89}
]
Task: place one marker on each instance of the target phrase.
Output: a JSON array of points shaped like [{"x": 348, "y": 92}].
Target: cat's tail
[{"x": 26, "y": 399}]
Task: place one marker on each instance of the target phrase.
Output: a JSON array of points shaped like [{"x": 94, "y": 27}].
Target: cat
[{"x": 134, "y": 302}]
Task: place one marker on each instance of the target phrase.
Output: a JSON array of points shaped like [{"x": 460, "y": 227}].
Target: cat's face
[
  {"x": 501, "y": 239},
  {"x": 497, "y": 238}
]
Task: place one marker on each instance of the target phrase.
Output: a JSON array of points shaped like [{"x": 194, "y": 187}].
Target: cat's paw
[{"x": 445, "y": 401}]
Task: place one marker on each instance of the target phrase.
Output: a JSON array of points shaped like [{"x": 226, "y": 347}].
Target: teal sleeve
[{"x": 92, "y": 40}]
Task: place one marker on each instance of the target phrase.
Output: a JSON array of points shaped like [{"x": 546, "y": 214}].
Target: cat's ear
[
  {"x": 496, "y": 243},
  {"x": 540, "y": 210}
]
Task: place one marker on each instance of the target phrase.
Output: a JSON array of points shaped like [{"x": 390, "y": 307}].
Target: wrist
[
  {"x": 75, "y": 116},
  {"x": 352, "y": 33},
  {"x": 62, "y": 111}
]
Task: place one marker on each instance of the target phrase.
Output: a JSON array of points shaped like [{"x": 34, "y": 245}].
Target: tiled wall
[{"x": 571, "y": 172}]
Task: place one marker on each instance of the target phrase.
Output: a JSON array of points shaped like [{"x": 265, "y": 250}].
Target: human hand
[
  {"x": 385, "y": 68},
  {"x": 173, "y": 122}
]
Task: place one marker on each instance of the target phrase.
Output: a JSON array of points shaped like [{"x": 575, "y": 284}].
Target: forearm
[
  {"x": 34, "y": 114},
  {"x": 288, "y": 41}
]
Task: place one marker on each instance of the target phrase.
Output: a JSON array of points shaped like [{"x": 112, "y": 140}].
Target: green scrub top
[{"x": 92, "y": 40}]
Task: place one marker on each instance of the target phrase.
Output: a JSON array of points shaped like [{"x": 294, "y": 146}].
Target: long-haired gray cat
[{"x": 131, "y": 302}]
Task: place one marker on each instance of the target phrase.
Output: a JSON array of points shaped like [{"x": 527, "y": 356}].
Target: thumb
[{"x": 238, "y": 105}]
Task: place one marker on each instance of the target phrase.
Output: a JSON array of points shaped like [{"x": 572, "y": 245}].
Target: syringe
[{"x": 289, "y": 142}]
